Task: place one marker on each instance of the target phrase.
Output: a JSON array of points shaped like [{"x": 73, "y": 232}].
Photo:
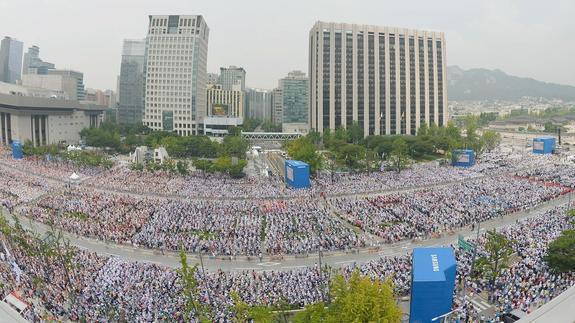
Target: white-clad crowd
[
  {"x": 418, "y": 214},
  {"x": 111, "y": 289},
  {"x": 528, "y": 282},
  {"x": 216, "y": 227}
]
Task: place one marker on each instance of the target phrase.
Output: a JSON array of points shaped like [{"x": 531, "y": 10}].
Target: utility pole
[
  {"x": 472, "y": 261},
  {"x": 204, "y": 276},
  {"x": 321, "y": 274}
]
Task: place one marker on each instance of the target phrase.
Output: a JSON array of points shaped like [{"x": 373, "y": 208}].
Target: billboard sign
[
  {"x": 220, "y": 110},
  {"x": 463, "y": 158}
]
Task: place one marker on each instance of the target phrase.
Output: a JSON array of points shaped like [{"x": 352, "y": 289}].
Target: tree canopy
[
  {"x": 358, "y": 299},
  {"x": 561, "y": 252},
  {"x": 303, "y": 149}
]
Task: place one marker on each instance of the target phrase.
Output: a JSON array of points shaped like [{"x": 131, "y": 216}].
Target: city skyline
[{"x": 516, "y": 29}]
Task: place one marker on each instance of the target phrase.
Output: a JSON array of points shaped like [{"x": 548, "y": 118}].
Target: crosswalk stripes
[{"x": 480, "y": 304}]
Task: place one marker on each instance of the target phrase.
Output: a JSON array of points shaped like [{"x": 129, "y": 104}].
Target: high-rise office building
[
  {"x": 225, "y": 103},
  {"x": 233, "y": 78},
  {"x": 176, "y": 73},
  {"x": 295, "y": 97},
  {"x": 388, "y": 80},
  {"x": 10, "y": 60},
  {"x": 33, "y": 64},
  {"x": 259, "y": 104},
  {"x": 213, "y": 78},
  {"x": 131, "y": 82},
  {"x": 277, "y": 106}
]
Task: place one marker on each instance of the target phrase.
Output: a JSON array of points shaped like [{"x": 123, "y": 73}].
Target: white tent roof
[{"x": 74, "y": 176}]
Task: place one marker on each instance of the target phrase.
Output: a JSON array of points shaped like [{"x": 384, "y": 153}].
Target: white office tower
[
  {"x": 176, "y": 73},
  {"x": 388, "y": 80}
]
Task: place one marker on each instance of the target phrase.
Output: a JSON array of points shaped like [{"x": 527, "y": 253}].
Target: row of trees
[
  {"x": 125, "y": 138},
  {"x": 348, "y": 148},
  {"x": 232, "y": 166},
  {"x": 80, "y": 158}
]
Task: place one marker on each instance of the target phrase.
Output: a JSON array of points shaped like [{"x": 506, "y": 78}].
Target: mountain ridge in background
[{"x": 484, "y": 84}]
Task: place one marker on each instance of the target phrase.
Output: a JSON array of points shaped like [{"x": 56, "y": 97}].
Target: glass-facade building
[
  {"x": 33, "y": 64},
  {"x": 388, "y": 80},
  {"x": 10, "y": 60},
  {"x": 132, "y": 81},
  {"x": 295, "y": 98}
]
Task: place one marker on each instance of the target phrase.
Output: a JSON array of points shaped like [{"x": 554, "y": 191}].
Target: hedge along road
[{"x": 336, "y": 259}]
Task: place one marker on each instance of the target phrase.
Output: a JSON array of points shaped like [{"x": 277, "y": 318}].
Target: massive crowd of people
[
  {"x": 419, "y": 214},
  {"x": 48, "y": 167},
  {"x": 17, "y": 187},
  {"x": 528, "y": 282},
  {"x": 217, "y": 227},
  {"x": 222, "y": 216},
  {"x": 111, "y": 289}
]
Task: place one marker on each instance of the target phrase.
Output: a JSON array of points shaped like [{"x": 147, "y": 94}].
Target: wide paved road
[{"x": 171, "y": 259}]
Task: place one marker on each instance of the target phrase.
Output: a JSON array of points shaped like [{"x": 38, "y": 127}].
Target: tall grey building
[
  {"x": 131, "y": 82},
  {"x": 388, "y": 80},
  {"x": 176, "y": 73},
  {"x": 233, "y": 78},
  {"x": 295, "y": 97},
  {"x": 259, "y": 104},
  {"x": 33, "y": 64},
  {"x": 277, "y": 106},
  {"x": 213, "y": 78},
  {"x": 10, "y": 60}
]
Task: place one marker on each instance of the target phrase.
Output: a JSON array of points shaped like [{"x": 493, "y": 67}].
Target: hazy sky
[{"x": 270, "y": 38}]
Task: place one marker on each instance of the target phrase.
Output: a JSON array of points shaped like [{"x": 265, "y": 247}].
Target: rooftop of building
[
  {"x": 21, "y": 102},
  {"x": 344, "y": 25}
]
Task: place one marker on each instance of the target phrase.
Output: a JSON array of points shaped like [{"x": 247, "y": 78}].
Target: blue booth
[
  {"x": 432, "y": 283},
  {"x": 463, "y": 157},
  {"x": 297, "y": 174},
  {"x": 17, "y": 150},
  {"x": 543, "y": 145}
]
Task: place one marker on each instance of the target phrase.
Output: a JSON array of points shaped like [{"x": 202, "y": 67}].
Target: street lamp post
[
  {"x": 444, "y": 317},
  {"x": 472, "y": 262}
]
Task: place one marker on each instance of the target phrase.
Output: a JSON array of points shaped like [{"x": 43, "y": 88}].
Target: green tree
[
  {"x": 359, "y": 299},
  {"x": 499, "y": 251},
  {"x": 234, "y": 131},
  {"x": 350, "y": 155},
  {"x": 423, "y": 130},
  {"x": 190, "y": 290},
  {"x": 355, "y": 132},
  {"x": 303, "y": 149},
  {"x": 314, "y": 137},
  {"x": 235, "y": 146},
  {"x": 561, "y": 252},
  {"x": 244, "y": 313},
  {"x": 203, "y": 165},
  {"x": 182, "y": 167},
  {"x": 399, "y": 154},
  {"x": 491, "y": 139}
]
